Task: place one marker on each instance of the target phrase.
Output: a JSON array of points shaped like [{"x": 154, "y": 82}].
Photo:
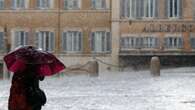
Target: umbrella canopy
[{"x": 45, "y": 63}]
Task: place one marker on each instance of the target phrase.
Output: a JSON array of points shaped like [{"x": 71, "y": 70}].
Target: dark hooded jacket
[{"x": 25, "y": 93}]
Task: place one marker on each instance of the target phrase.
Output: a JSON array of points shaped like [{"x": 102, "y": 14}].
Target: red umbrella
[{"x": 45, "y": 63}]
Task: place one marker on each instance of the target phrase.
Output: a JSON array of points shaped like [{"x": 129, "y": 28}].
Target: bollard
[
  {"x": 93, "y": 68},
  {"x": 155, "y": 66}
]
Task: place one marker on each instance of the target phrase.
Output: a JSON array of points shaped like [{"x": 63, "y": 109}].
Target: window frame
[
  {"x": 16, "y": 6},
  {"x": 18, "y": 39},
  {"x": 125, "y": 4},
  {"x": 192, "y": 37},
  {"x": 106, "y": 46},
  {"x": 44, "y": 38},
  {"x": 133, "y": 42},
  {"x": 67, "y": 2},
  {"x": 137, "y": 9},
  {"x": 103, "y": 4},
  {"x": 175, "y": 41},
  {"x": 2, "y": 43},
  {"x": 150, "y": 7},
  {"x": 171, "y": 12},
  {"x": 40, "y": 5},
  {"x": 79, "y": 39},
  {"x": 2, "y": 4}
]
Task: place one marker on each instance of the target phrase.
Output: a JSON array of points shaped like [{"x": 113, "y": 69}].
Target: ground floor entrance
[{"x": 143, "y": 62}]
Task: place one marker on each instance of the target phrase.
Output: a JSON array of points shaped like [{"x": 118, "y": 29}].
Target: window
[
  {"x": 132, "y": 9},
  {"x": 45, "y": 40},
  {"x": 150, "y": 42},
  {"x": 71, "y": 4},
  {"x": 100, "y": 42},
  {"x": 20, "y": 38},
  {"x": 128, "y": 42},
  {"x": 99, "y": 4},
  {"x": 174, "y": 8},
  {"x": 44, "y": 4},
  {"x": 139, "y": 42},
  {"x": 72, "y": 41},
  {"x": 2, "y": 41},
  {"x": 192, "y": 40},
  {"x": 19, "y": 4},
  {"x": 1, "y": 4},
  {"x": 174, "y": 42},
  {"x": 150, "y": 8},
  {"x": 128, "y": 8}
]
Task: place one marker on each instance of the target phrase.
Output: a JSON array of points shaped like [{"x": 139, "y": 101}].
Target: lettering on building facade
[{"x": 169, "y": 28}]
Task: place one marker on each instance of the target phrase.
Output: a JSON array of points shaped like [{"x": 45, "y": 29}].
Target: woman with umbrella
[{"x": 29, "y": 65}]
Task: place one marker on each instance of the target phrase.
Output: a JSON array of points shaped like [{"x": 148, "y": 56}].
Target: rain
[{"x": 137, "y": 90}]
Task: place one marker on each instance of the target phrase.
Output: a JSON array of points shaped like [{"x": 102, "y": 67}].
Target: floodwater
[{"x": 130, "y": 90}]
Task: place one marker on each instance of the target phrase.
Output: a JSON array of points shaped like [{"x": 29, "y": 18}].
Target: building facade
[{"x": 113, "y": 31}]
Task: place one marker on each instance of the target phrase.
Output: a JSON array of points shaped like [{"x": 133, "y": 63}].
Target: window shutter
[
  {"x": 75, "y": 41},
  {"x": 138, "y": 9},
  {"x": 141, "y": 8},
  {"x": 166, "y": 8},
  {"x": 166, "y": 42},
  {"x": 48, "y": 4},
  {"x": 79, "y": 4},
  {"x": 51, "y": 2},
  {"x": 141, "y": 42},
  {"x": 103, "y": 42},
  {"x": 22, "y": 3},
  {"x": 92, "y": 41},
  {"x": 1, "y": 40},
  {"x": 122, "y": 8},
  {"x": 13, "y": 4},
  {"x": 69, "y": 41},
  {"x": 133, "y": 8},
  {"x": 51, "y": 41},
  {"x": 122, "y": 41},
  {"x": 157, "y": 42},
  {"x": 75, "y": 4},
  {"x": 156, "y": 9},
  {"x": 136, "y": 42},
  {"x": 36, "y": 39},
  {"x": 26, "y": 3},
  {"x": 80, "y": 41},
  {"x": 145, "y": 42},
  {"x": 127, "y": 8},
  {"x": 39, "y": 39},
  {"x": 94, "y": 4},
  {"x": 17, "y": 39},
  {"x": 180, "y": 2},
  {"x": 26, "y": 38},
  {"x": 64, "y": 41},
  {"x": 1, "y": 4},
  {"x": 103, "y": 4},
  {"x": 65, "y": 4},
  {"x": 126, "y": 42},
  {"x": 108, "y": 36},
  {"x": 38, "y": 3},
  {"x": 181, "y": 42},
  {"x": 192, "y": 40}
]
